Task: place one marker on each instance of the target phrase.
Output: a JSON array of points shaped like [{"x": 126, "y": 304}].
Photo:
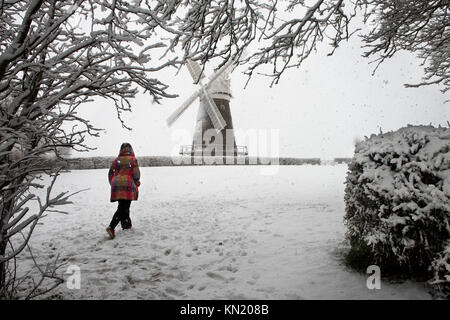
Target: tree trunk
[
  {"x": 6, "y": 210},
  {"x": 3, "y": 267}
]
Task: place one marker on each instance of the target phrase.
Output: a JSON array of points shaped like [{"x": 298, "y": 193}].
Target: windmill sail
[
  {"x": 195, "y": 70},
  {"x": 211, "y": 108},
  {"x": 214, "y": 114},
  {"x": 177, "y": 113},
  {"x": 226, "y": 67}
]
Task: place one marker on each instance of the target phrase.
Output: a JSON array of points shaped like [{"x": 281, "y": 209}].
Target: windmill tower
[{"x": 214, "y": 132}]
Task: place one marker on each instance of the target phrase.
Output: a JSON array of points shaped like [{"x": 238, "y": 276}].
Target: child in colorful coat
[{"x": 124, "y": 177}]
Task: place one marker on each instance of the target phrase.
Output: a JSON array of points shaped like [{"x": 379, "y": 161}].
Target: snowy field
[{"x": 211, "y": 233}]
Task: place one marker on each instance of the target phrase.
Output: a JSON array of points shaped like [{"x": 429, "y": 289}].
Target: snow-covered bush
[
  {"x": 441, "y": 269},
  {"x": 397, "y": 199}
]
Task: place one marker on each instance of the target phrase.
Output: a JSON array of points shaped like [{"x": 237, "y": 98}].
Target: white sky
[{"x": 319, "y": 109}]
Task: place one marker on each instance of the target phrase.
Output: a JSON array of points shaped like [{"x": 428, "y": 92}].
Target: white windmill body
[{"x": 213, "y": 133}]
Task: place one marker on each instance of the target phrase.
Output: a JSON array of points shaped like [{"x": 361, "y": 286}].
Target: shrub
[{"x": 397, "y": 200}]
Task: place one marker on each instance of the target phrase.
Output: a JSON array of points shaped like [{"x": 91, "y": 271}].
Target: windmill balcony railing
[{"x": 189, "y": 150}]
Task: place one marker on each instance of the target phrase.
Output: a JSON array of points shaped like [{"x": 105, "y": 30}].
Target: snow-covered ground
[{"x": 219, "y": 232}]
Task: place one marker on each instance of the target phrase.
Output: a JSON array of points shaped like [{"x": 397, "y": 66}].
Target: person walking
[{"x": 124, "y": 177}]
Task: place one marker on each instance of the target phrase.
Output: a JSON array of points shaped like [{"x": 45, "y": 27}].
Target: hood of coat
[{"x": 126, "y": 149}]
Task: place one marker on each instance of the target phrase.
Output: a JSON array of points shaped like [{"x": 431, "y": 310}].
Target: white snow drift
[{"x": 211, "y": 233}]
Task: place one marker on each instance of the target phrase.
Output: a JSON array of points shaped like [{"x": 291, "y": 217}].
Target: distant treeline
[
  {"x": 342, "y": 160},
  {"x": 164, "y": 161}
]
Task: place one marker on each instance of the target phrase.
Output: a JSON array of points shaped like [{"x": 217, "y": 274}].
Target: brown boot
[{"x": 110, "y": 232}]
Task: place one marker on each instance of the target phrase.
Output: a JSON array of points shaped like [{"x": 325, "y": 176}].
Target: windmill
[{"x": 214, "y": 132}]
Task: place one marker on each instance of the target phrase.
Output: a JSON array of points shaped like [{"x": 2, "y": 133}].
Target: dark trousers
[{"x": 122, "y": 215}]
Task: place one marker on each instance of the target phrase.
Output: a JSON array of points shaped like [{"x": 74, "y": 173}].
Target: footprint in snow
[
  {"x": 129, "y": 279},
  {"x": 215, "y": 276},
  {"x": 173, "y": 291}
]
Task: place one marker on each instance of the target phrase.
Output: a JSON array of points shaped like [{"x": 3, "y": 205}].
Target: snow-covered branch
[{"x": 54, "y": 56}]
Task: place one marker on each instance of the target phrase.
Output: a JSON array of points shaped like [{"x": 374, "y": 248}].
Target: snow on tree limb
[
  {"x": 50, "y": 63},
  {"x": 57, "y": 55}
]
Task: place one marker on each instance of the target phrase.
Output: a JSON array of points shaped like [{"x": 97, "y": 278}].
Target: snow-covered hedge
[{"x": 398, "y": 203}]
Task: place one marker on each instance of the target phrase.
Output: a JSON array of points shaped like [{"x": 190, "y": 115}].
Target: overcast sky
[{"x": 318, "y": 109}]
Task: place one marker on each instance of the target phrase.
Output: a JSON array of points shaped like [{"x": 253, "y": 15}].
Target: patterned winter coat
[{"x": 124, "y": 175}]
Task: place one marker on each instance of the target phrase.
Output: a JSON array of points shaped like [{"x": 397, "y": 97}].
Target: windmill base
[
  {"x": 206, "y": 151},
  {"x": 205, "y": 155},
  {"x": 211, "y": 161}
]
